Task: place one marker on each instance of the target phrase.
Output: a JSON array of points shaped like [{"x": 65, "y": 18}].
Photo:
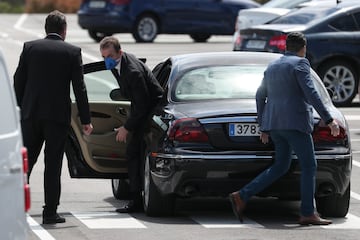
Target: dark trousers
[
  {"x": 287, "y": 141},
  {"x": 53, "y": 134},
  {"x": 135, "y": 153}
]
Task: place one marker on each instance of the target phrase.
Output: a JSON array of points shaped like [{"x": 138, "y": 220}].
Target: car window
[
  {"x": 221, "y": 82},
  {"x": 304, "y": 16},
  {"x": 7, "y": 104},
  {"x": 319, "y": 86},
  {"x": 344, "y": 23},
  {"x": 357, "y": 18},
  {"x": 99, "y": 85},
  {"x": 225, "y": 82}
]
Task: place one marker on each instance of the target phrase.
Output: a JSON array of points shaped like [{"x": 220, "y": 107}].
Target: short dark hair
[
  {"x": 110, "y": 41},
  {"x": 55, "y": 22},
  {"x": 295, "y": 41}
]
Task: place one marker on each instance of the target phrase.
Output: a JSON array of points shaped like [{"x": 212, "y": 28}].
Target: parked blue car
[{"x": 145, "y": 19}]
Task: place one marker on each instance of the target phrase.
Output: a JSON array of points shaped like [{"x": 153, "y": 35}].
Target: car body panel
[{"x": 13, "y": 224}]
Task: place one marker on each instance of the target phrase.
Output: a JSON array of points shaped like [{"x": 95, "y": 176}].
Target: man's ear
[{"x": 63, "y": 33}]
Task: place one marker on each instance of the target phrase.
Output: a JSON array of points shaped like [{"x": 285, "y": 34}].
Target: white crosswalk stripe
[
  {"x": 223, "y": 221},
  {"x": 107, "y": 220}
]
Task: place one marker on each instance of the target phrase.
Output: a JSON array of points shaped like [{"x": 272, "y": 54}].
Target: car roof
[
  {"x": 195, "y": 60},
  {"x": 324, "y": 12}
]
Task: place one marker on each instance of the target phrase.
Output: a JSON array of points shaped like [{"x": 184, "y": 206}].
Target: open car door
[{"x": 98, "y": 155}]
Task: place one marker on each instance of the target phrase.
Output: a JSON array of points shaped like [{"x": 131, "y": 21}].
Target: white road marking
[
  {"x": 19, "y": 23},
  {"x": 107, "y": 220},
  {"x": 356, "y": 163},
  {"x": 38, "y": 230},
  {"x": 90, "y": 57},
  {"x": 352, "y": 117},
  {"x": 355, "y": 195},
  {"x": 223, "y": 221},
  {"x": 349, "y": 222}
]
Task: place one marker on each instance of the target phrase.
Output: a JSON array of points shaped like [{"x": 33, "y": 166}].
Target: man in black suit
[
  {"x": 138, "y": 84},
  {"x": 42, "y": 86}
]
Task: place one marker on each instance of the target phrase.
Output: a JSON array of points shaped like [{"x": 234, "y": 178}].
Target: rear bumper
[{"x": 217, "y": 175}]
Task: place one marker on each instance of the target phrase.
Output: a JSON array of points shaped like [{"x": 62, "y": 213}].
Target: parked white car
[{"x": 14, "y": 190}]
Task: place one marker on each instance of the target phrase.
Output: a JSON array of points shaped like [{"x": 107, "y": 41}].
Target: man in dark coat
[
  {"x": 138, "y": 84},
  {"x": 42, "y": 86}
]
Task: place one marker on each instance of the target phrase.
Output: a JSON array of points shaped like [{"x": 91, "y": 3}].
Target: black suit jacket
[
  {"x": 138, "y": 84},
  {"x": 42, "y": 81}
]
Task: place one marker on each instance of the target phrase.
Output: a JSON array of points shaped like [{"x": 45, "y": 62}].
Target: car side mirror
[{"x": 115, "y": 95}]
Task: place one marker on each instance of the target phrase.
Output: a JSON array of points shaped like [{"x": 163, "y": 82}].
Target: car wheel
[
  {"x": 154, "y": 203},
  {"x": 146, "y": 28},
  {"x": 120, "y": 188},
  {"x": 200, "y": 37},
  {"x": 98, "y": 36},
  {"x": 335, "y": 205},
  {"x": 341, "y": 80}
]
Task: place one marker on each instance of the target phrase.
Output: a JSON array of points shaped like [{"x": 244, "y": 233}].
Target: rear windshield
[
  {"x": 227, "y": 82},
  {"x": 220, "y": 82},
  {"x": 304, "y": 16}
]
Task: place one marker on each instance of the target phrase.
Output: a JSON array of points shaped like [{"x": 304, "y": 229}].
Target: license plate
[
  {"x": 255, "y": 44},
  {"x": 97, "y": 4},
  {"x": 244, "y": 129}
]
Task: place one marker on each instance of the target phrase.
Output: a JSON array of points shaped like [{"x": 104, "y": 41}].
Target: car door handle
[
  {"x": 15, "y": 169},
  {"x": 121, "y": 111}
]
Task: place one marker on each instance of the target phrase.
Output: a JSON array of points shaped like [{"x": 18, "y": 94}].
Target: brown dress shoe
[
  {"x": 314, "y": 219},
  {"x": 238, "y": 205}
]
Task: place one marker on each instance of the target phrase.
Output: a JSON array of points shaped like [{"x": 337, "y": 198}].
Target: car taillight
[
  {"x": 279, "y": 42},
  {"x": 26, "y": 185},
  {"x": 238, "y": 40},
  {"x": 187, "y": 130},
  {"x": 120, "y": 2},
  {"x": 322, "y": 133}
]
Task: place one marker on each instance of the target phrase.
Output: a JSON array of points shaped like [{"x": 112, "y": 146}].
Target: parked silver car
[{"x": 14, "y": 190}]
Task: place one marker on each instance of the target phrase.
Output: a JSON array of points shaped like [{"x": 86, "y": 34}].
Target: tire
[
  {"x": 98, "y": 36},
  {"x": 154, "y": 203},
  {"x": 199, "y": 37},
  {"x": 341, "y": 80},
  {"x": 146, "y": 29},
  {"x": 120, "y": 188},
  {"x": 335, "y": 205}
]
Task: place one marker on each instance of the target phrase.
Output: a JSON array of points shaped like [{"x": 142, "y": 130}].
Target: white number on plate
[
  {"x": 255, "y": 44},
  {"x": 97, "y": 4},
  {"x": 244, "y": 129}
]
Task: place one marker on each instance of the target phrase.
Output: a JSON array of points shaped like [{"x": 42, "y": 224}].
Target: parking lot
[{"x": 89, "y": 205}]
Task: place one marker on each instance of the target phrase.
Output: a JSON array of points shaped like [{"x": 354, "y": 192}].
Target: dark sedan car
[
  {"x": 204, "y": 139},
  {"x": 333, "y": 47},
  {"x": 145, "y": 19}
]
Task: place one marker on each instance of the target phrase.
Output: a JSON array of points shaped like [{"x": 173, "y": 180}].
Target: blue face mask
[{"x": 110, "y": 63}]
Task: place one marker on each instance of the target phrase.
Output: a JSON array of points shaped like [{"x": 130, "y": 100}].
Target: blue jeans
[{"x": 285, "y": 141}]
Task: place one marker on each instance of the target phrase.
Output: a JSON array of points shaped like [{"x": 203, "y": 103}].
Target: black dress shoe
[
  {"x": 132, "y": 206},
  {"x": 53, "y": 219}
]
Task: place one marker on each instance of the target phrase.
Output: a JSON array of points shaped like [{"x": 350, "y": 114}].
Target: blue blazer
[{"x": 286, "y": 95}]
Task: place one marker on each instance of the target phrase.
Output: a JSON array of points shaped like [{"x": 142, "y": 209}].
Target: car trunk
[{"x": 231, "y": 125}]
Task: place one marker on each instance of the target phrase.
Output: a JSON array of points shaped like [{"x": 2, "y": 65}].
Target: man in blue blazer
[{"x": 284, "y": 103}]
